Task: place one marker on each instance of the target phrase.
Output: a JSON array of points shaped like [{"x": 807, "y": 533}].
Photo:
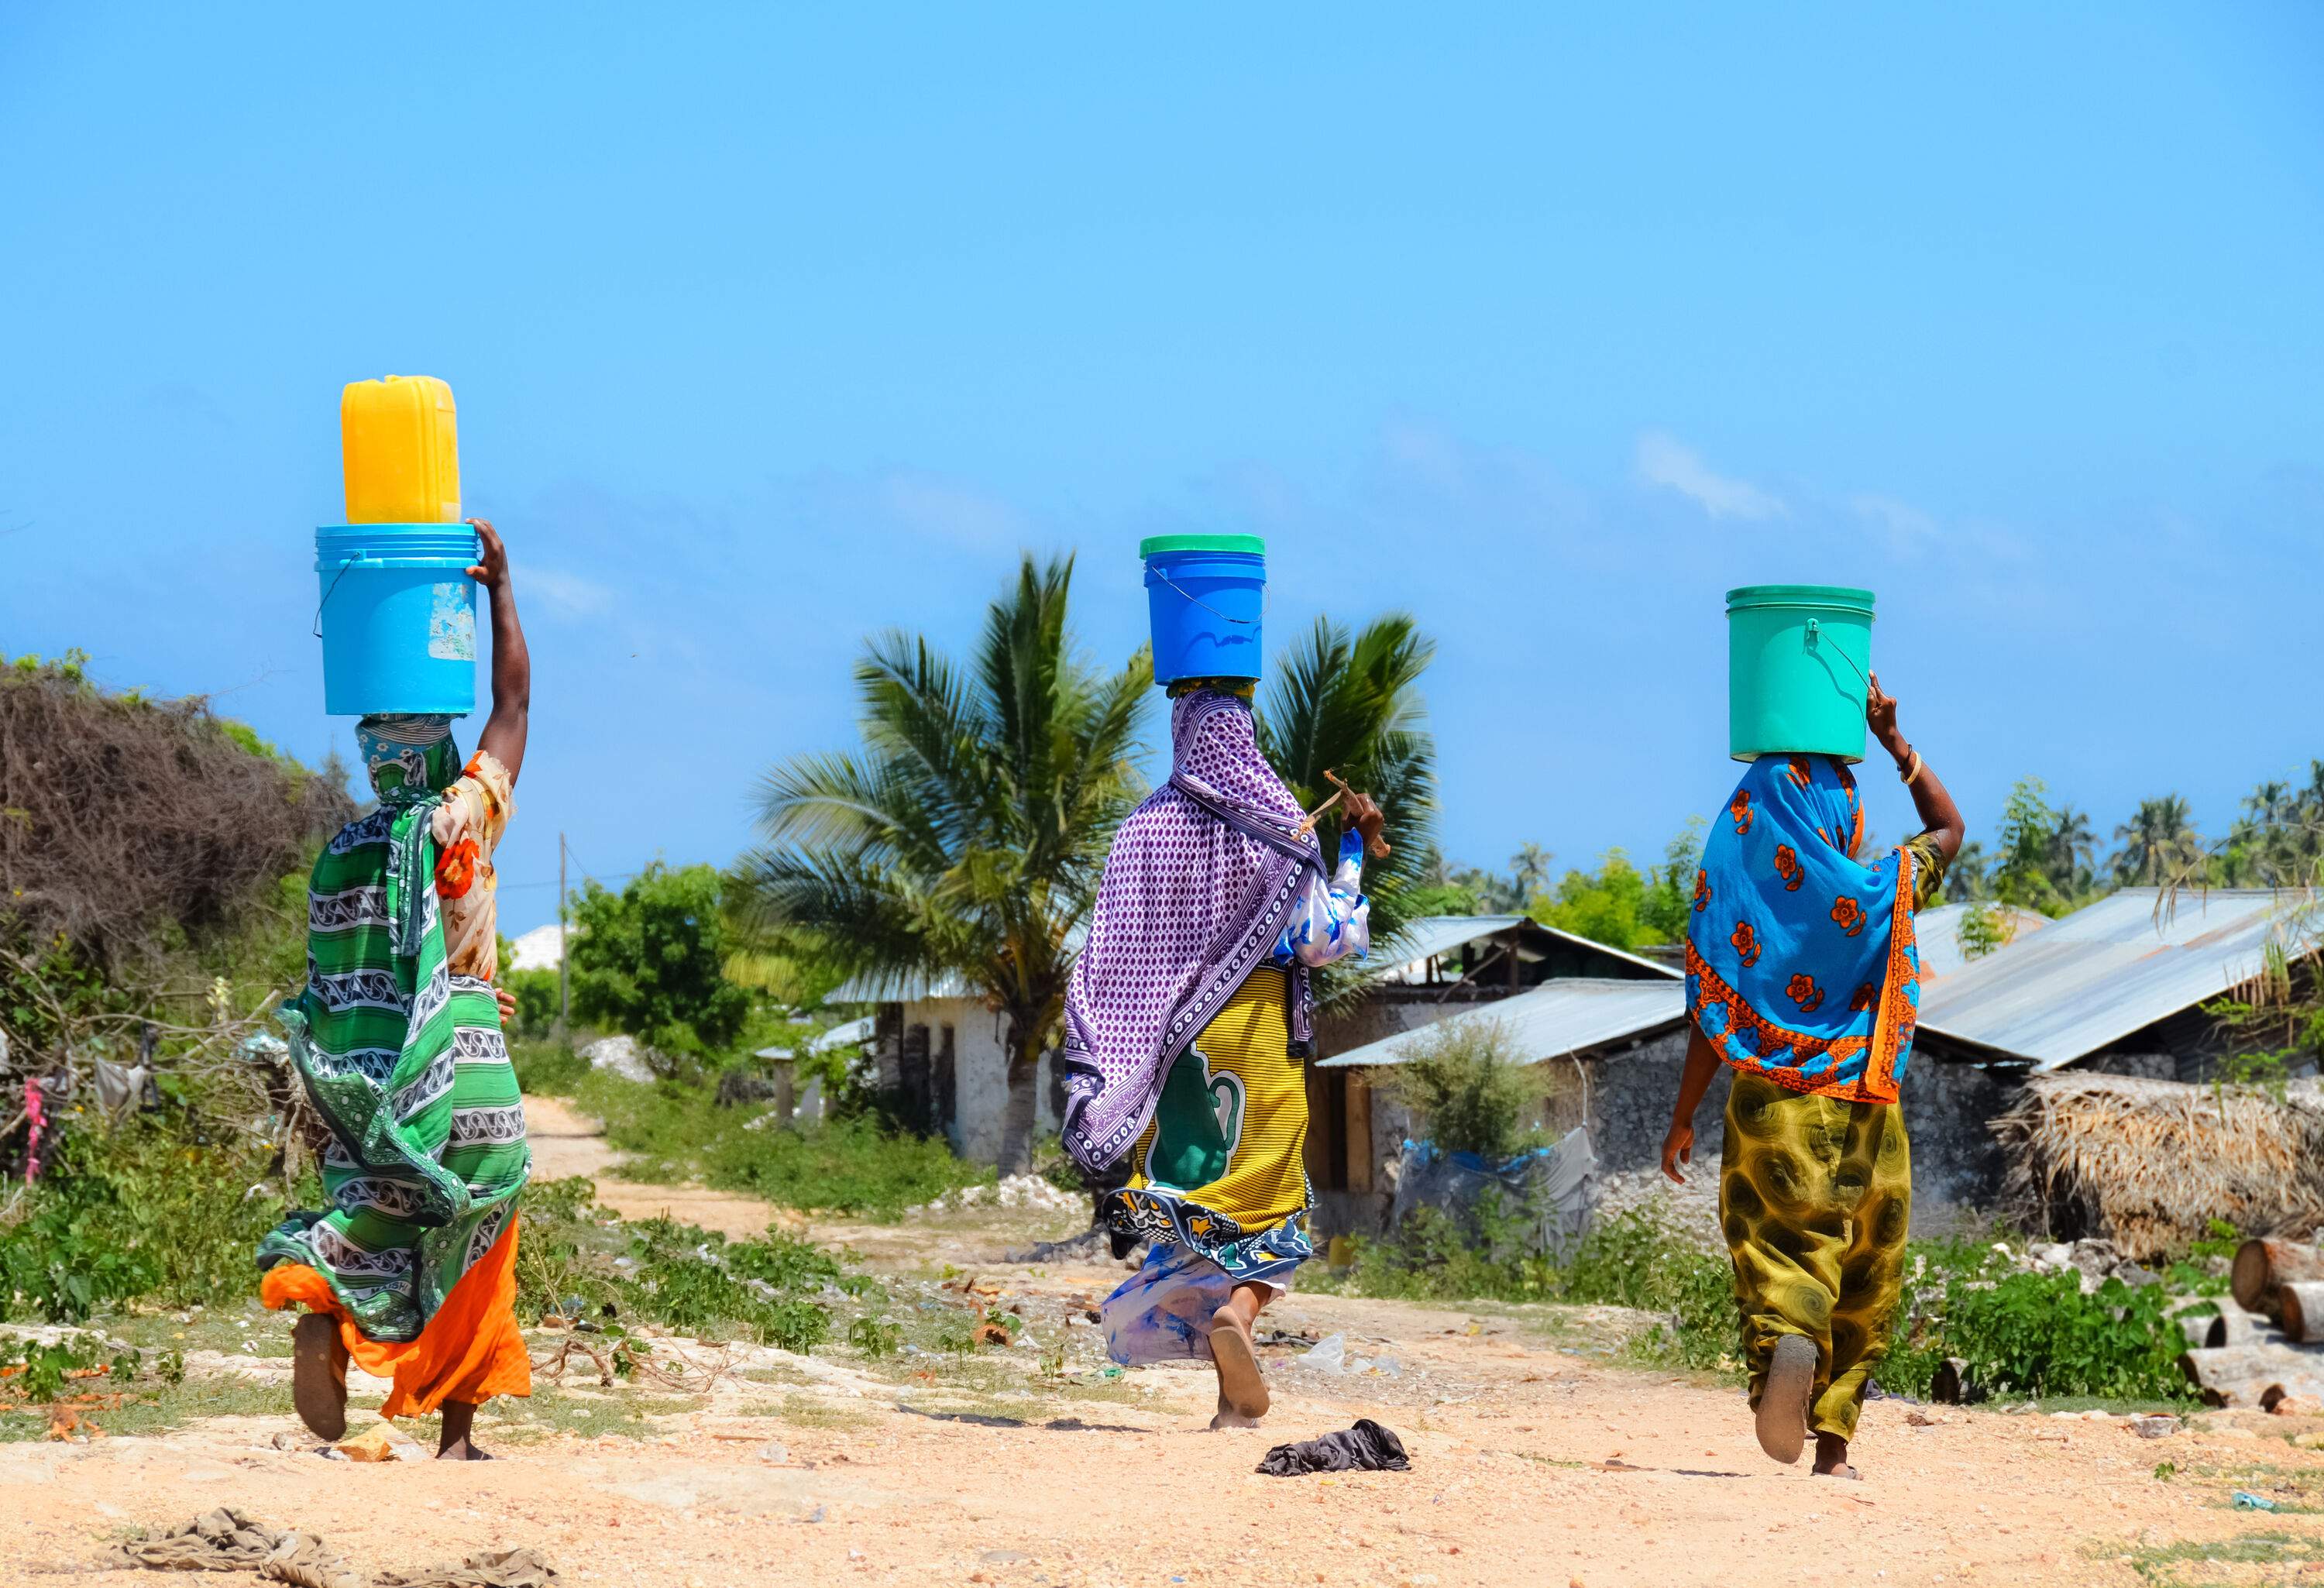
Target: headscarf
[
  {"x": 1801, "y": 961},
  {"x": 409, "y": 756},
  {"x": 1197, "y": 887},
  {"x": 412, "y": 759}
]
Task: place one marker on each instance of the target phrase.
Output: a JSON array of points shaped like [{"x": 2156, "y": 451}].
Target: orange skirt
[{"x": 471, "y": 1350}]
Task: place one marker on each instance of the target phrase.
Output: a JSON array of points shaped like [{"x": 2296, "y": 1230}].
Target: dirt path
[{"x": 1532, "y": 1463}]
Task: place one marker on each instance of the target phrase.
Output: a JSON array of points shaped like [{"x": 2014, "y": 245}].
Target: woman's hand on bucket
[
  {"x": 492, "y": 573},
  {"x": 1880, "y": 715}
]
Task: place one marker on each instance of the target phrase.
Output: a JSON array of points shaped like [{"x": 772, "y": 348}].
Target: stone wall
[{"x": 1956, "y": 1163}]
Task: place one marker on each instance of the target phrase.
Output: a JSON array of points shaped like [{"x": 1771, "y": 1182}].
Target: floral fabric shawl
[
  {"x": 1800, "y": 961},
  {"x": 1199, "y": 885}
]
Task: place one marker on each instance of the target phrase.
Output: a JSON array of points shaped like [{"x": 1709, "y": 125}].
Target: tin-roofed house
[{"x": 1448, "y": 967}]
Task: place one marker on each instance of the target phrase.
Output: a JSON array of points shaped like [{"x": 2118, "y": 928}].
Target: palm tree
[
  {"x": 2159, "y": 843},
  {"x": 2072, "y": 848},
  {"x": 1529, "y": 870},
  {"x": 1350, "y": 704},
  {"x": 969, "y": 833},
  {"x": 1964, "y": 879}
]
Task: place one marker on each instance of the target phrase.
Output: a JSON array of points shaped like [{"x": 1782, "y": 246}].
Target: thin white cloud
[
  {"x": 1663, "y": 461},
  {"x": 945, "y": 511},
  {"x": 568, "y": 595},
  {"x": 1908, "y": 529}
]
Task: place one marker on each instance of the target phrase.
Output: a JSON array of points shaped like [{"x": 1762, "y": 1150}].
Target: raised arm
[
  {"x": 505, "y": 730},
  {"x": 1939, "y": 816}
]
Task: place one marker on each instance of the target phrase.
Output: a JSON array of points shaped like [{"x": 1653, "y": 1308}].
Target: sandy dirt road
[{"x": 1532, "y": 1463}]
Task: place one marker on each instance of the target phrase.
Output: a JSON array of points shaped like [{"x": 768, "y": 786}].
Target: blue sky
[{"x": 770, "y": 327}]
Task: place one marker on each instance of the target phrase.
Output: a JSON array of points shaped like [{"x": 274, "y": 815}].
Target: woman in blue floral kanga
[{"x": 1804, "y": 976}]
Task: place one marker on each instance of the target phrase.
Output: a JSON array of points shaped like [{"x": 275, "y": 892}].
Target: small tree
[
  {"x": 1465, "y": 1077},
  {"x": 650, "y": 960}
]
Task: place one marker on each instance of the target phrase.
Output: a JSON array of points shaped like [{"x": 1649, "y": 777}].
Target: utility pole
[{"x": 563, "y": 944}]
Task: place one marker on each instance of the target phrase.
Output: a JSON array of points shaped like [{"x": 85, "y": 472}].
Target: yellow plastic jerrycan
[{"x": 401, "y": 451}]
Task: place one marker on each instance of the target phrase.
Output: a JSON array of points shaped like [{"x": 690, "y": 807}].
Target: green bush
[
  {"x": 1461, "y": 1076},
  {"x": 135, "y": 1214},
  {"x": 650, "y": 960}
]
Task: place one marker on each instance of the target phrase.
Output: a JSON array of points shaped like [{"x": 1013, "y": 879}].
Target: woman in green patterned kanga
[
  {"x": 1803, "y": 977},
  {"x": 411, "y": 1271}
]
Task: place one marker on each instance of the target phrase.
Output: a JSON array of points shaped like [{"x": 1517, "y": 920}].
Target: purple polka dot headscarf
[{"x": 1197, "y": 886}]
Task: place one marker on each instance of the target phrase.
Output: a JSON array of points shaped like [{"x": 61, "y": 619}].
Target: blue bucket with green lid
[
  {"x": 1202, "y": 596},
  {"x": 1799, "y": 668},
  {"x": 397, "y": 616}
]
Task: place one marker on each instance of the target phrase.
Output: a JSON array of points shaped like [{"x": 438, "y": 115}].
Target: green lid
[
  {"x": 1250, "y": 545},
  {"x": 1842, "y": 597}
]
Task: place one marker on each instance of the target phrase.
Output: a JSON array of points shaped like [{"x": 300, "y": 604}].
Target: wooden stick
[{"x": 1316, "y": 815}]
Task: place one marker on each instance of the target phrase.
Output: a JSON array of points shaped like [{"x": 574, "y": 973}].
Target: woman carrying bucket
[
  {"x": 1803, "y": 977},
  {"x": 411, "y": 1270},
  {"x": 1189, "y": 1014}
]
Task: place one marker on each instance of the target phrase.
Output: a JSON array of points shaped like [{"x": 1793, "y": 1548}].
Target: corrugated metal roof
[
  {"x": 1431, "y": 936},
  {"x": 1555, "y": 1018},
  {"x": 907, "y": 987},
  {"x": 2113, "y": 968},
  {"x": 1939, "y": 932}
]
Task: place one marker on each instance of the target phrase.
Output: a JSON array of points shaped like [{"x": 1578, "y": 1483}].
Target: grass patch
[
  {"x": 2187, "y": 1564},
  {"x": 2025, "y": 1336},
  {"x": 576, "y": 1260},
  {"x": 551, "y": 1411},
  {"x": 675, "y": 1131}
]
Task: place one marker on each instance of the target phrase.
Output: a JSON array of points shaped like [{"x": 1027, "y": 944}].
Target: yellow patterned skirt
[
  {"x": 1221, "y": 1169},
  {"x": 1814, "y": 1196}
]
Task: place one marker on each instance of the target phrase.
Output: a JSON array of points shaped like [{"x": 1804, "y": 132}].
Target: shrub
[
  {"x": 1460, "y": 1074},
  {"x": 650, "y": 960},
  {"x": 135, "y": 1214}
]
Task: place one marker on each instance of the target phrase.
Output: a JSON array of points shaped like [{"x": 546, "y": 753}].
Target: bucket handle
[
  {"x": 1815, "y": 630},
  {"x": 1198, "y": 601},
  {"x": 326, "y": 601}
]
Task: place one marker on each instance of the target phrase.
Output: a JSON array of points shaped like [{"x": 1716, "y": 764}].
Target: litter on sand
[
  {"x": 1367, "y": 1447},
  {"x": 2246, "y": 1501}
]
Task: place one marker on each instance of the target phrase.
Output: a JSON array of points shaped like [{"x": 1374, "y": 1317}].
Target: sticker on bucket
[{"x": 452, "y": 624}]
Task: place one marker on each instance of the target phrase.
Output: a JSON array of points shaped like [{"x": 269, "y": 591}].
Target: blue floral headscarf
[{"x": 1801, "y": 961}]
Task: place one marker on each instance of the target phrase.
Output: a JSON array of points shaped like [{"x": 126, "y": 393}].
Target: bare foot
[
  {"x": 1228, "y": 1417},
  {"x": 455, "y": 1442},
  {"x": 1831, "y": 1458},
  {"x": 1241, "y": 1386}
]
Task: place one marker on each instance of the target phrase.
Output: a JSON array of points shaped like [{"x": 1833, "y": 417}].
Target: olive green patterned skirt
[{"x": 1814, "y": 1196}]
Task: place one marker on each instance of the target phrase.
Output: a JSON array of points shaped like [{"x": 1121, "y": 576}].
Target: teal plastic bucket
[
  {"x": 1799, "y": 667},
  {"x": 397, "y": 616},
  {"x": 1204, "y": 593}
]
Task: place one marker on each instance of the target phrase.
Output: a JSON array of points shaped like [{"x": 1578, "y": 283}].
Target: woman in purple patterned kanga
[{"x": 1188, "y": 1022}]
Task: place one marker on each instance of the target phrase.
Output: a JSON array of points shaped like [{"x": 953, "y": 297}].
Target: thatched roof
[{"x": 2149, "y": 1164}]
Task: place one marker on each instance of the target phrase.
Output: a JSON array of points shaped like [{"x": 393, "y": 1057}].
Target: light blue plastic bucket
[
  {"x": 1204, "y": 593},
  {"x": 397, "y": 617},
  {"x": 1799, "y": 667}
]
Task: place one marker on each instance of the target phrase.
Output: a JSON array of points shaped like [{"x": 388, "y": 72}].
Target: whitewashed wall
[{"x": 981, "y": 1073}]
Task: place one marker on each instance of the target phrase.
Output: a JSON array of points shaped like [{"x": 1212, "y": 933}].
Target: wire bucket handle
[
  {"x": 1816, "y": 633},
  {"x": 326, "y": 601},
  {"x": 1198, "y": 601}
]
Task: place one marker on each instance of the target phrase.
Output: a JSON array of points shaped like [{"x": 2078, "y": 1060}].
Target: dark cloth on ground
[{"x": 1367, "y": 1447}]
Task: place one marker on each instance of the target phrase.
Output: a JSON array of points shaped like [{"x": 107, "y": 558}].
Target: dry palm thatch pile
[{"x": 2149, "y": 1164}]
